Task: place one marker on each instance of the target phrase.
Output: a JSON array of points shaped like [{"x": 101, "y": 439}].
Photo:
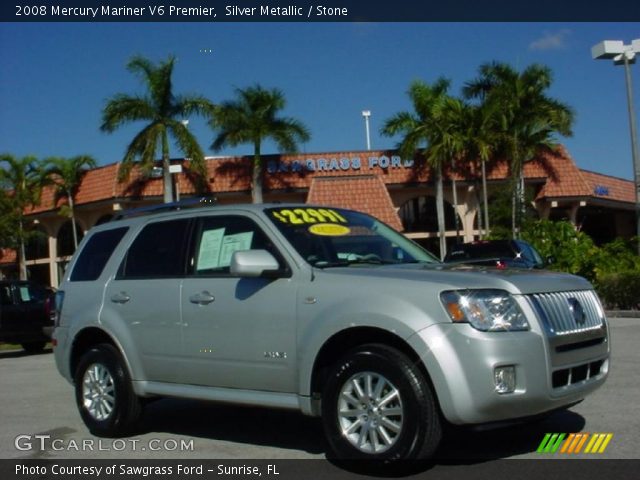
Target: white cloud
[{"x": 551, "y": 41}]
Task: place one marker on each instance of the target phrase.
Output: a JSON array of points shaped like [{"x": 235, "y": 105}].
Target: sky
[{"x": 55, "y": 78}]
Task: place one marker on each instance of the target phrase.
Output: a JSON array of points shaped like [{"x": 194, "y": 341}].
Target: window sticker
[
  {"x": 329, "y": 230},
  {"x": 233, "y": 243},
  {"x": 210, "y": 248},
  {"x": 302, "y": 216}
]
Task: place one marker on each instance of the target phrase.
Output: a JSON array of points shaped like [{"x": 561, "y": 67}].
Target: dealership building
[{"x": 399, "y": 191}]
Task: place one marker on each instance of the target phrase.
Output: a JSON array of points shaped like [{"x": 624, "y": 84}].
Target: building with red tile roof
[{"x": 398, "y": 191}]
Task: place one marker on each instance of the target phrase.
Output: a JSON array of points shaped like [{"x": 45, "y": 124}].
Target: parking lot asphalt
[{"x": 40, "y": 420}]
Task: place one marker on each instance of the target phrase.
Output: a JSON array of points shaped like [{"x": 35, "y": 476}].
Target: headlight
[{"x": 486, "y": 310}]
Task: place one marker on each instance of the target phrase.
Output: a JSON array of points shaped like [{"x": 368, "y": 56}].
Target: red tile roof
[
  {"x": 8, "y": 256},
  {"x": 561, "y": 176},
  {"x": 349, "y": 179},
  {"x": 609, "y": 188},
  {"x": 363, "y": 193},
  {"x": 232, "y": 174}
]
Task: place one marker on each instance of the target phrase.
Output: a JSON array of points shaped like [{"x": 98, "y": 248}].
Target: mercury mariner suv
[{"x": 322, "y": 310}]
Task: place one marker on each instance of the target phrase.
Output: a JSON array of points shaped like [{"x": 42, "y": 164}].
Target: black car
[
  {"x": 497, "y": 253},
  {"x": 25, "y": 314}
]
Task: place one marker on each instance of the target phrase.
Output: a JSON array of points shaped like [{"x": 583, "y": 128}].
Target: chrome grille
[{"x": 568, "y": 312}]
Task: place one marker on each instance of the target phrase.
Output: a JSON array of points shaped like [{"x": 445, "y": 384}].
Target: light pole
[
  {"x": 366, "y": 114},
  {"x": 625, "y": 55}
]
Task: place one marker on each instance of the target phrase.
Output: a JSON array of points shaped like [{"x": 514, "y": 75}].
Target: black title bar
[{"x": 317, "y": 11}]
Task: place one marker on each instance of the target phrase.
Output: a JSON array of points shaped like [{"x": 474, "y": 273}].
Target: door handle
[
  {"x": 202, "y": 298},
  {"x": 121, "y": 297}
]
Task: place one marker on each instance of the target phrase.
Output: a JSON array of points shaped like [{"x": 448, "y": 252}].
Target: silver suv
[{"x": 322, "y": 310}]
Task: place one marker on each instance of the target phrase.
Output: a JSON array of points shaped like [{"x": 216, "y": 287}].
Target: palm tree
[
  {"x": 476, "y": 127},
  {"x": 252, "y": 118},
  {"x": 426, "y": 129},
  {"x": 528, "y": 117},
  {"x": 66, "y": 174},
  {"x": 22, "y": 178},
  {"x": 165, "y": 113}
]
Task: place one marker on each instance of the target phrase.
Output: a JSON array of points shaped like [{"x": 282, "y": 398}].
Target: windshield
[{"x": 328, "y": 237}]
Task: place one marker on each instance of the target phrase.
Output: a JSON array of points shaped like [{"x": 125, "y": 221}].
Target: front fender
[{"x": 321, "y": 321}]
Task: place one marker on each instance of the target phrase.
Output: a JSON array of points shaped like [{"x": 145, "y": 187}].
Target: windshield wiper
[{"x": 355, "y": 261}]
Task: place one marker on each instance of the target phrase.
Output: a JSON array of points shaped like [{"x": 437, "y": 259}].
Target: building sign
[
  {"x": 601, "y": 190},
  {"x": 344, "y": 164}
]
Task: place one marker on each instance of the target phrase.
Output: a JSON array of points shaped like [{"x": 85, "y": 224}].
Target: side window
[
  {"x": 158, "y": 251},
  {"x": 96, "y": 254},
  {"x": 217, "y": 238}
]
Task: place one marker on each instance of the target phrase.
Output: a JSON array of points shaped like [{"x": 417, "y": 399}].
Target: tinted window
[
  {"x": 95, "y": 254},
  {"x": 481, "y": 250},
  {"x": 218, "y": 237},
  {"x": 29, "y": 292},
  {"x": 531, "y": 254},
  {"x": 5, "y": 295},
  {"x": 157, "y": 251}
]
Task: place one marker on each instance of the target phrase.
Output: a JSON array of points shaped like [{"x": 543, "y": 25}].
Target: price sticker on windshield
[
  {"x": 329, "y": 230},
  {"x": 306, "y": 216}
]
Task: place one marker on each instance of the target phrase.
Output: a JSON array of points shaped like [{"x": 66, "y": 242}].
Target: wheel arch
[
  {"x": 87, "y": 338},
  {"x": 346, "y": 340}
]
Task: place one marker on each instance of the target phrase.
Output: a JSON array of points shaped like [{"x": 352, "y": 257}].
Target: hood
[{"x": 454, "y": 277}]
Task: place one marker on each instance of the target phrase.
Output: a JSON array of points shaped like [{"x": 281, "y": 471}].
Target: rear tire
[
  {"x": 378, "y": 406},
  {"x": 107, "y": 403}
]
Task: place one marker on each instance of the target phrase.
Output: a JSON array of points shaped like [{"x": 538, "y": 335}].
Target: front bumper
[{"x": 461, "y": 362}]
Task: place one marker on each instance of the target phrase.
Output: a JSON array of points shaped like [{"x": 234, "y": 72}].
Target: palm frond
[{"x": 122, "y": 109}]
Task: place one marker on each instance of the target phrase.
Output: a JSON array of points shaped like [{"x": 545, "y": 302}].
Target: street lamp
[
  {"x": 625, "y": 55},
  {"x": 366, "y": 114}
]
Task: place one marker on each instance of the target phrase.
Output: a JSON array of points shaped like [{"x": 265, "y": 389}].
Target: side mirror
[{"x": 253, "y": 263}]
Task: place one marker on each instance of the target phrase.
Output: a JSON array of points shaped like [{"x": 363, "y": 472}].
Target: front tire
[
  {"x": 105, "y": 398},
  {"x": 378, "y": 406}
]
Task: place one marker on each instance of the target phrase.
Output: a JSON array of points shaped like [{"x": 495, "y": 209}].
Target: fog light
[{"x": 505, "y": 379}]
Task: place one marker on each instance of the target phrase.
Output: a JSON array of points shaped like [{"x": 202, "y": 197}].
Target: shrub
[
  {"x": 573, "y": 251},
  {"x": 620, "y": 290}
]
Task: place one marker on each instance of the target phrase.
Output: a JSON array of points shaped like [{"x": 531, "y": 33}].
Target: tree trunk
[
  {"x": 166, "y": 174},
  {"x": 518, "y": 206},
  {"x": 514, "y": 208},
  {"x": 478, "y": 195},
  {"x": 73, "y": 222},
  {"x": 22, "y": 257},
  {"x": 455, "y": 205},
  {"x": 484, "y": 198},
  {"x": 440, "y": 212},
  {"x": 256, "y": 176}
]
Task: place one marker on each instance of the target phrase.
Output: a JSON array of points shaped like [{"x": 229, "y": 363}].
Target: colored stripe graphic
[
  {"x": 598, "y": 443},
  {"x": 574, "y": 443},
  {"x": 550, "y": 442}
]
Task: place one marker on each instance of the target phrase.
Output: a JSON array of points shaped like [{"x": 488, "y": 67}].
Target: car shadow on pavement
[
  {"x": 468, "y": 445},
  {"x": 293, "y": 431},
  {"x": 232, "y": 423}
]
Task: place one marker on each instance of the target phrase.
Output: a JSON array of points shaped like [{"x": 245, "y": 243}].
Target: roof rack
[{"x": 163, "y": 207}]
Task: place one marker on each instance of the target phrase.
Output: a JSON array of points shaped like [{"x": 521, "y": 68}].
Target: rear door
[{"x": 144, "y": 297}]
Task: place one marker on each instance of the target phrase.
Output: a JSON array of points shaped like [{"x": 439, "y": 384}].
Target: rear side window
[
  {"x": 95, "y": 254},
  {"x": 158, "y": 251}
]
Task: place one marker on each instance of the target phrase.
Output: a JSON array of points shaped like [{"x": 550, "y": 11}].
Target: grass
[{"x": 16, "y": 346}]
